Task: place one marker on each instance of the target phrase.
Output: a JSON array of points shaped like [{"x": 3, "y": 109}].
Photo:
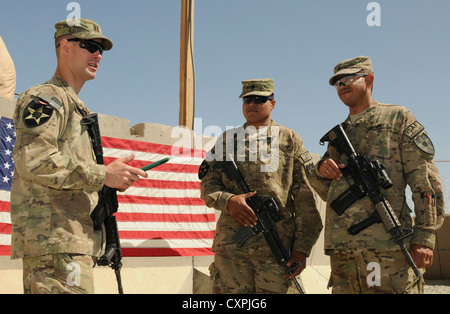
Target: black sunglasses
[
  {"x": 256, "y": 99},
  {"x": 90, "y": 45}
]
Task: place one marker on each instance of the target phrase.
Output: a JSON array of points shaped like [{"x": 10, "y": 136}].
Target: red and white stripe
[{"x": 162, "y": 215}]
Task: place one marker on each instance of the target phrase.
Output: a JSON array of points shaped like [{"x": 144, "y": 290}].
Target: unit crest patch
[
  {"x": 425, "y": 144},
  {"x": 37, "y": 113},
  {"x": 203, "y": 170}
]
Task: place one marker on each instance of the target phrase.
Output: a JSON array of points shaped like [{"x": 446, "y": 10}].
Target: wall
[{"x": 441, "y": 260}]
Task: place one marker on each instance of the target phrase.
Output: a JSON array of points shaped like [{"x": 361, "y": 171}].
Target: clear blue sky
[{"x": 296, "y": 42}]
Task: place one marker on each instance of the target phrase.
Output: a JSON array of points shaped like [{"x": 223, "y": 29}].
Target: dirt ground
[{"x": 437, "y": 287}]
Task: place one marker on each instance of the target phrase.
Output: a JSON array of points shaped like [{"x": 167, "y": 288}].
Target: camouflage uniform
[
  {"x": 252, "y": 268},
  {"x": 391, "y": 135},
  {"x": 55, "y": 186}
]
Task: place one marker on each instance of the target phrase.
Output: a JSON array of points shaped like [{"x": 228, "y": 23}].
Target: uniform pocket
[
  {"x": 405, "y": 281},
  {"x": 213, "y": 272}
]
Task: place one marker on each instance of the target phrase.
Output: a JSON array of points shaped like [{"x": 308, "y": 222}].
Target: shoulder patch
[
  {"x": 37, "y": 113},
  {"x": 417, "y": 133},
  {"x": 424, "y": 143},
  {"x": 413, "y": 130},
  {"x": 203, "y": 170},
  {"x": 309, "y": 168},
  {"x": 307, "y": 162}
]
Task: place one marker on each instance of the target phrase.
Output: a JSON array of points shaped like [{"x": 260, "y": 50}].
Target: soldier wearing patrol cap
[
  {"x": 56, "y": 177},
  {"x": 252, "y": 268},
  {"x": 391, "y": 135}
]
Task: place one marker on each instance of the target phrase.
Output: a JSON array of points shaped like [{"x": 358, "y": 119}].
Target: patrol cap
[
  {"x": 351, "y": 66},
  {"x": 259, "y": 87},
  {"x": 83, "y": 29}
]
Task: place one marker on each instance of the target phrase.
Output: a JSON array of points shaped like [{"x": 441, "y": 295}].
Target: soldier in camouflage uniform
[
  {"x": 274, "y": 163},
  {"x": 391, "y": 135},
  {"x": 56, "y": 178}
]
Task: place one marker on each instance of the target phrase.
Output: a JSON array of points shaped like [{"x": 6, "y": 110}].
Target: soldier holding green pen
[
  {"x": 56, "y": 178},
  {"x": 155, "y": 164}
]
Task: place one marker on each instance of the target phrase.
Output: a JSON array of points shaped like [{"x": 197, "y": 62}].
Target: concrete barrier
[{"x": 440, "y": 269}]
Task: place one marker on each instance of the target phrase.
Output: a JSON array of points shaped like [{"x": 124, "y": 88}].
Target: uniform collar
[
  {"x": 367, "y": 115},
  {"x": 272, "y": 122},
  {"x": 59, "y": 81}
]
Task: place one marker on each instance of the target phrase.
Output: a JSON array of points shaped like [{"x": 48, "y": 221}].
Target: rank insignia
[{"x": 37, "y": 113}]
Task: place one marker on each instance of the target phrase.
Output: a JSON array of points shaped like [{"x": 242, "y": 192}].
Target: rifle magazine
[{"x": 243, "y": 235}]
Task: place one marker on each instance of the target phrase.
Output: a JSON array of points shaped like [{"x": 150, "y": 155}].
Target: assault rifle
[
  {"x": 267, "y": 212},
  {"x": 366, "y": 178},
  {"x": 103, "y": 213}
]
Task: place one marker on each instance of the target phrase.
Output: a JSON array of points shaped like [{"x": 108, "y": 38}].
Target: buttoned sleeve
[
  {"x": 307, "y": 217},
  {"x": 424, "y": 180},
  {"x": 212, "y": 188}
]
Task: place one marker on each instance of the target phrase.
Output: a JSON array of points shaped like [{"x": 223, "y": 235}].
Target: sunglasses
[
  {"x": 256, "y": 99},
  {"x": 90, "y": 45},
  {"x": 347, "y": 80}
]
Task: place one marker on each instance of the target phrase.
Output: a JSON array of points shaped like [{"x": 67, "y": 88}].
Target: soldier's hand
[
  {"x": 331, "y": 170},
  {"x": 121, "y": 176},
  {"x": 300, "y": 258},
  {"x": 239, "y": 209},
  {"x": 421, "y": 255}
]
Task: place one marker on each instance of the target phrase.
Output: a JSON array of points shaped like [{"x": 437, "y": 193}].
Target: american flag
[
  {"x": 162, "y": 215},
  {"x": 7, "y": 140}
]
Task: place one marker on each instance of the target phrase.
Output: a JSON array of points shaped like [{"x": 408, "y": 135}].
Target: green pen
[{"x": 155, "y": 164}]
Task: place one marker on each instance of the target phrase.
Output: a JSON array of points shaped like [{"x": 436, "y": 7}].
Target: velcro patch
[
  {"x": 306, "y": 156},
  {"x": 307, "y": 162},
  {"x": 413, "y": 130},
  {"x": 37, "y": 113},
  {"x": 52, "y": 101}
]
